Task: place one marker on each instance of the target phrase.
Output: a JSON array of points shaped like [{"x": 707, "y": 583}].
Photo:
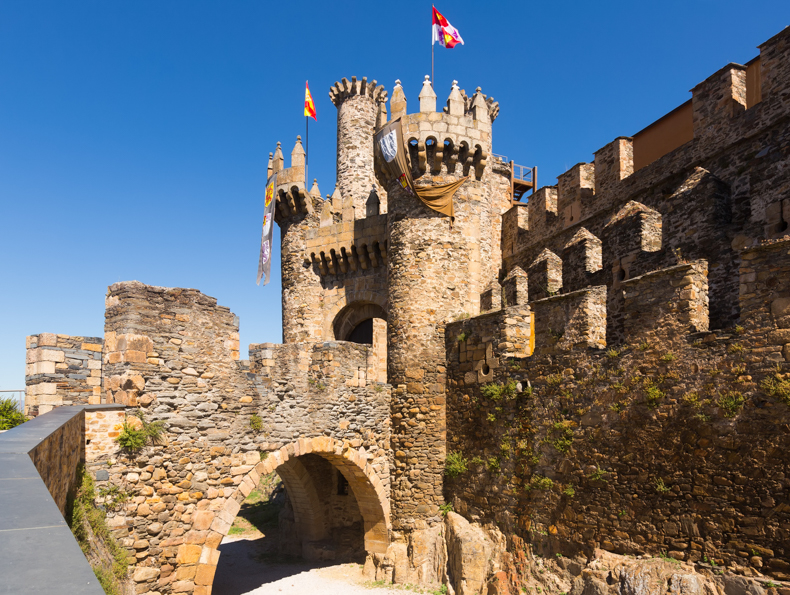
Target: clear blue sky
[{"x": 134, "y": 135}]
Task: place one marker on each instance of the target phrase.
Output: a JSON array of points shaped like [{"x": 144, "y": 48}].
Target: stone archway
[
  {"x": 351, "y": 317},
  {"x": 366, "y": 485}
]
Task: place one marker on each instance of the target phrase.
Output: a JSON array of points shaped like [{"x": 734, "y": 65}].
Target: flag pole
[
  {"x": 306, "y": 150},
  {"x": 433, "y": 83}
]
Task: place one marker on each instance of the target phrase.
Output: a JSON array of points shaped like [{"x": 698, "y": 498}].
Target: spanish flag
[
  {"x": 444, "y": 32},
  {"x": 309, "y": 106}
]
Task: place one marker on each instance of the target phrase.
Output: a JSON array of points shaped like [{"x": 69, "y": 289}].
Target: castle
[{"x": 602, "y": 365}]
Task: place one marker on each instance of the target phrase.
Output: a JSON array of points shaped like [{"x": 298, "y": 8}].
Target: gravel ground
[{"x": 242, "y": 572}]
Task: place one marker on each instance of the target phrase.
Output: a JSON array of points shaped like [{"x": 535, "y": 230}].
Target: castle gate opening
[{"x": 337, "y": 510}]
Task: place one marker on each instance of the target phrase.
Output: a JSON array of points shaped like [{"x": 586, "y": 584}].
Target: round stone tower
[
  {"x": 360, "y": 106},
  {"x": 438, "y": 267}
]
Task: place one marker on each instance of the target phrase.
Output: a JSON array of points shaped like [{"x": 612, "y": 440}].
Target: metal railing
[
  {"x": 522, "y": 172},
  {"x": 17, "y": 395}
]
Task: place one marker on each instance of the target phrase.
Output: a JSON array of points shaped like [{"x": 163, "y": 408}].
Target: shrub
[
  {"x": 539, "y": 482},
  {"x": 668, "y": 357},
  {"x": 131, "y": 438},
  {"x": 445, "y": 508},
  {"x": 256, "y": 423},
  {"x": 455, "y": 464},
  {"x": 731, "y": 403},
  {"x": 498, "y": 391},
  {"x": 10, "y": 414},
  {"x": 134, "y": 436},
  {"x": 776, "y": 386}
]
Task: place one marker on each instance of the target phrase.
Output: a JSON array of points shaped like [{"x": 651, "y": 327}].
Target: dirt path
[{"x": 246, "y": 569}]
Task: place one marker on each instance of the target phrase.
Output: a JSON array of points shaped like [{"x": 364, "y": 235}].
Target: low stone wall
[
  {"x": 62, "y": 370},
  {"x": 38, "y": 471}
]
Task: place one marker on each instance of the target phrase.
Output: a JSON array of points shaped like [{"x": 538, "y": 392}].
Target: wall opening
[
  {"x": 362, "y": 333},
  {"x": 365, "y": 323},
  {"x": 311, "y": 508}
]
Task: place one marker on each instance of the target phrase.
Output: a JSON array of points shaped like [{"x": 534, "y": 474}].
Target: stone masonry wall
[
  {"x": 173, "y": 353},
  {"x": 61, "y": 370},
  {"x": 102, "y": 427},
  {"x": 357, "y": 103},
  {"x": 315, "y": 389},
  {"x": 57, "y": 458},
  {"x": 671, "y": 443},
  {"x": 714, "y": 195}
]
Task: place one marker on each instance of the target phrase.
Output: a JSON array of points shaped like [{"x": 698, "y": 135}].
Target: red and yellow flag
[{"x": 309, "y": 106}]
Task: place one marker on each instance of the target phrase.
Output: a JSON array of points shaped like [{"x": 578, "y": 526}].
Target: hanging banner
[
  {"x": 391, "y": 156},
  {"x": 265, "y": 258}
]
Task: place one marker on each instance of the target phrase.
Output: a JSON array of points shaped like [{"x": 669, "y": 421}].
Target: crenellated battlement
[
  {"x": 454, "y": 141},
  {"x": 669, "y": 191},
  {"x": 345, "y": 89}
]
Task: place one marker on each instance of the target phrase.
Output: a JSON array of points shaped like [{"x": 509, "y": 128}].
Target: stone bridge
[{"x": 311, "y": 412}]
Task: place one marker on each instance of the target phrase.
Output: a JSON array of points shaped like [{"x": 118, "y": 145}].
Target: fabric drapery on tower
[
  {"x": 389, "y": 150},
  {"x": 265, "y": 258}
]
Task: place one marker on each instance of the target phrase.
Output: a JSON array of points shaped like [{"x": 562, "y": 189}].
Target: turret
[
  {"x": 438, "y": 268},
  {"x": 360, "y": 105}
]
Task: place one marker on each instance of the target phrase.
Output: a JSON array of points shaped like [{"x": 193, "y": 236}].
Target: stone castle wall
[
  {"x": 671, "y": 442},
  {"x": 61, "y": 370},
  {"x": 173, "y": 354},
  {"x": 705, "y": 200}
]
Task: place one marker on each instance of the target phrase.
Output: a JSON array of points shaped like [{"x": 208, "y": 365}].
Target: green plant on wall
[
  {"x": 653, "y": 394},
  {"x": 598, "y": 475},
  {"x": 661, "y": 487},
  {"x": 561, "y": 435},
  {"x": 777, "y": 386},
  {"x": 455, "y": 464},
  {"x": 730, "y": 402},
  {"x": 256, "y": 423},
  {"x": 539, "y": 482},
  {"x": 497, "y": 391},
  {"x": 135, "y": 435}
]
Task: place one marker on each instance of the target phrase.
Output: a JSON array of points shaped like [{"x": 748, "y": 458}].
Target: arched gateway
[{"x": 353, "y": 464}]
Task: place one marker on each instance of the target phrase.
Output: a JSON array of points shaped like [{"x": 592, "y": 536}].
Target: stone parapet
[
  {"x": 570, "y": 321},
  {"x": 662, "y": 305},
  {"x": 765, "y": 300},
  {"x": 62, "y": 370},
  {"x": 40, "y": 458}
]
